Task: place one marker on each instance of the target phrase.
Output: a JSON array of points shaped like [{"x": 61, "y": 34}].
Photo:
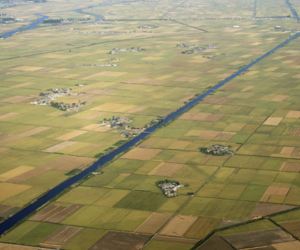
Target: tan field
[
  {"x": 59, "y": 146},
  {"x": 178, "y": 225},
  {"x": 274, "y": 121},
  {"x": 273, "y": 190},
  {"x": 153, "y": 223},
  {"x": 71, "y": 135},
  {"x": 8, "y": 115},
  {"x": 141, "y": 154},
  {"x": 8, "y": 190},
  {"x": 168, "y": 169},
  {"x": 293, "y": 114}
]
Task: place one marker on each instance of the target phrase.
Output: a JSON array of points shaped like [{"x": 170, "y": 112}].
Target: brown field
[
  {"x": 71, "y": 135},
  {"x": 274, "y": 190},
  {"x": 4, "y": 208},
  {"x": 92, "y": 116},
  {"x": 292, "y": 227},
  {"x": 214, "y": 117},
  {"x": 296, "y": 76},
  {"x": 224, "y": 136},
  {"x": 274, "y": 121},
  {"x": 137, "y": 109},
  {"x": 59, "y": 146},
  {"x": 294, "y": 245},
  {"x": 120, "y": 240},
  {"x": 215, "y": 243},
  {"x": 8, "y": 115},
  {"x": 259, "y": 238},
  {"x": 280, "y": 98},
  {"x": 153, "y": 223},
  {"x": 290, "y": 167},
  {"x": 168, "y": 169},
  {"x": 264, "y": 209},
  {"x": 293, "y": 114},
  {"x": 18, "y": 247},
  {"x": 296, "y": 132},
  {"x": 3, "y": 149},
  {"x": 61, "y": 237},
  {"x": 194, "y": 116},
  {"x": 144, "y": 154},
  {"x": 179, "y": 225},
  {"x": 55, "y": 214},
  {"x": 287, "y": 150},
  {"x": 208, "y": 135},
  {"x": 176, "y": 239},
  {"x": 229, "y": 87},
  {"x": 216, "y": 100},
  {"x": 247, "y": 88}
]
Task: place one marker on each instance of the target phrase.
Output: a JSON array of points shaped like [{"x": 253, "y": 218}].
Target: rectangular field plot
[
  {"x": 61, "y": 237},
  {"x": 55, "y": 214},
  {"x": 154, "y": 223},
  {"x": 141, "y": 154},
  {"x": 178, "y": 225},
  {"x": 120, "y": 240},
  {"x": 142, "y": 201},
  {"x": 256, "y": 239}
]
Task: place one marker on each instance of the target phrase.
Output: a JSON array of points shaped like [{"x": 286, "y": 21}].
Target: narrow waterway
[
  {"x": 292, "y": 10},
  {"x": 29, "y": 27}
]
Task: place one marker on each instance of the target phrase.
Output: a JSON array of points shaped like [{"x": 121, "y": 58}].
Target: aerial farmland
[{"x": 149, "y": 125}]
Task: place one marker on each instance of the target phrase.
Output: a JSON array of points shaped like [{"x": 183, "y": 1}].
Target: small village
[
  {"x": 183, "y": 45},
  {"x": 49, "y": 99},
  {"x": 117, "y": 122},
  {"x": 116, "y": 50},
  {"x": 169, "y": 188},
  {"x": 216, "y": 150},
  {"x": 200, "y": 49}
]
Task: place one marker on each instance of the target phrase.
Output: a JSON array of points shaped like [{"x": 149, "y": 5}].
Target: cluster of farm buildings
[
  {"x": 217, "y": 150},
  {"x": 116, "y": 50},
  {"x": 49, "y": 98},
  {"x": 169, "y": 188},
  {"x": 197, "y": 49}
]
